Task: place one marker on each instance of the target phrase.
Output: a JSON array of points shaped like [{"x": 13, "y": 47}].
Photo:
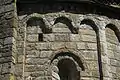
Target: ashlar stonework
[{"x": 59, "y": 40}]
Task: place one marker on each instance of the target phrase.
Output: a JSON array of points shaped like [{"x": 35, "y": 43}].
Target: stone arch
[
  {"x": 67, "y": 22},
  {"x": 94, "y": 35},
  {"x": 71, "y": 52},
  {"x": 66, "y": 65},
  {"x": 113, "y": 49},
  {"x": 91, "y": 23},
  {"x": 78, "y": 58},
  {"x": 35, "y": 21},
  {"x": 115, "y": 29}
]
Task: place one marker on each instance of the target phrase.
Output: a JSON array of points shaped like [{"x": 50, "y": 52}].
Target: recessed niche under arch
[
  {"x": 67, "y": 23},
  {"x": 112, "y": 34},
  {"x": 36, "y": 28},
  {"x": 66, "y": 66},
  {"x": 68, "y": 70},
  {"x": 91, "y": 35}
]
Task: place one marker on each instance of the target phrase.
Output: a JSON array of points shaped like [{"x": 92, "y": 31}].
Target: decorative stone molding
[{"x": 71, "y": 54}]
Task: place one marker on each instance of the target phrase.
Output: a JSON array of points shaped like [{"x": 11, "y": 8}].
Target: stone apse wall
[{"x": 58, "y": 41}]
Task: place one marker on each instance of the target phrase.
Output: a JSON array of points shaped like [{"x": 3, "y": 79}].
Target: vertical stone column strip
[
  {"x": 104, "y": 54},
  {"x": 99, "y": 54},
  {"x": 24, "y": 50},
  {"x": 14, "y": 39}
]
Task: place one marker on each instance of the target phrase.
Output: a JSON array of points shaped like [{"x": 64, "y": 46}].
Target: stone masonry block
[
  {"x": 75, "y": 37},
  {"x": 5, "y": 1},
  {"x": 9, "y": 7},
  {"x": 33, "y": 53},
  {"x": 34, "y": 30},
  {"x": 92, "y": 65},
  {"x": 20, "y": 50},
  {"x": 37, "y": 73},
  {"x": 42, "y": 46},
  {"x": 32, "y": 37},
  {"x": 8, "y": 40},
  {"x": 48, "y": 37},
  {"x": 112, "y": 69},
  {"x": 87, "y": 32},
  {"x": 113, "y": 62},
  {"x": 96, "y": 74},
  {"x": 106, "y": 72},
  {"x": 90, "y": 55},
  {"x": 36, "y": 61},
  {"x": 110, "y": 54},
  {"x": 81, "y": 45},
  {"x": 86, "y": 73},
  {"x": 62, "y": 37},
  {"x": 5, "y": 68},
  {"x": 92, "y": 46},
  {"x": 116, "y": 56},
  {"x": 57, "y": 45},
  {"x": 71, "y": 45},
  {"x": 105, "y": 59},
  {"x": 117, "y": 49},
  {"x": 111, "y": 46},
  {"x": 88, "y": 38},
  {"x": 5, "y": 59},
  {"x": 20, "y": 58},
  {"x": 19, "y": 69},
  {"x": 33, "y": 68},
  {"x": 31, "y": 46},
  {"x": 45, "y": 54},
  {"x": 61, "y": 30},
  {"x": 20, "y": 44},
  {"x": 5, "y": 77}
]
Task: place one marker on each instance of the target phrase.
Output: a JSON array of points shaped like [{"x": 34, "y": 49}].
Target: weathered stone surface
[
  {"x": 33, "y": 53},
  {"x": 31, "y": 68},
  {"x": 60, "y": 45},
  {"x": 42, "y": 46},
  {"x": 19, "y": 69},
  {"x": 88, "y": 38},
  {"x": 81, "y": 45},
  {"x": 32, "y": 38},
  {"x": 91, "y": 46},
  {"x": 90, "y": 55},
  {"x": 62, "y": 29},
  {"x": 48, "y": 37},
  {"x": 87, "y": 32},
  {"x": 62, "y": 37},
  {"x": 5, "y": 1},
  {"x": 35, "y": 61},
  {"x": 75, "y": 37},
  {"x": 57, "y": 45},
  {"x": 34, "y": 30},
  {"x": 5, "y": 68},
  {"x": 46, "y": 54},
  {"x": 8, "y": 40}
]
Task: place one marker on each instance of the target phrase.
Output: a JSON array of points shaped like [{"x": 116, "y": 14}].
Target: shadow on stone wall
[{"x": 75, "y": 7}]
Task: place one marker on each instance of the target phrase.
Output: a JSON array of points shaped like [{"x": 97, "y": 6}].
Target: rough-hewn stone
[{"x": 72, "y": 35}]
